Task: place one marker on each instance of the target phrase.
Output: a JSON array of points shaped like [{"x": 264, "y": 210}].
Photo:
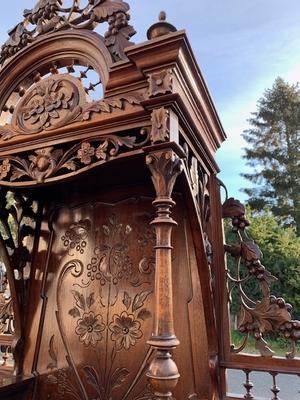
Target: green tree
[{"x": 273, "y": 153}]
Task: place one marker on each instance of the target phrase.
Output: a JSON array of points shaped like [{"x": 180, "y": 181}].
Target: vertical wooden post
[{"x": 165, "y": 166}]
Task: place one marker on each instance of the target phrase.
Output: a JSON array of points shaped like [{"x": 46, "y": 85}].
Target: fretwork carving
[
  {"x": 19, "y": 216},
  {"x": 270, "y": 314},
  {"x": 50, "y": 16},
  {"x": 49, "y": 162}
]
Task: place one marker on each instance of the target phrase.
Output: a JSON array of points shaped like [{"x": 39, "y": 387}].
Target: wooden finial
[
  {"x": 162, "y": 16},
  {"x": 162, "y": 27}
]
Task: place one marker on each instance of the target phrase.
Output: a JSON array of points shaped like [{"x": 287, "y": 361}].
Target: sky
[{"x": 242, "y": 46}]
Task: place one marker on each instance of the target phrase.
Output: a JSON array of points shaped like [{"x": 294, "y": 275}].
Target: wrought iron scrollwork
[{"x": 270, "y": 314}]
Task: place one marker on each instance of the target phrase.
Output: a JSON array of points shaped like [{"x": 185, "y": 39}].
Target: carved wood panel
[{"x": 100, "y": 293}]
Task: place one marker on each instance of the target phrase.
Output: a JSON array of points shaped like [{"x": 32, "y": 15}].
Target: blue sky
[{"x": 241, "y": 47}]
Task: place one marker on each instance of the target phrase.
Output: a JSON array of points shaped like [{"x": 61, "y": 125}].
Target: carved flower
[
  {"x": 101, "y": 151},
  {"x": 49, "y": 98},
  {"x": 85, "y": 153},
  {"x": 125, "y": 330},
  {"x": 4, "y": 168},
  {"x": 89, "y": 329}
]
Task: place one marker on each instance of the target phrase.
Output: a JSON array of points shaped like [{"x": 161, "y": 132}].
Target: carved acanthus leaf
[
  {"x": 165, "y": 167},
  {"x": 160, "y": 125}
]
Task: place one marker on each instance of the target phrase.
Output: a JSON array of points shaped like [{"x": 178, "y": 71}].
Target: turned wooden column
[{"x": 165, "y": 166}]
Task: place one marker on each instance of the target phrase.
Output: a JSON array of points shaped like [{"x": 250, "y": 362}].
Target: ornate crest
[{"x": 51, "y": 15}]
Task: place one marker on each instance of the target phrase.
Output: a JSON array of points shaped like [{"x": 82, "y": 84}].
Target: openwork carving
[
  {"x": 19, "y": 216},
  {"x": 50, "y": 162},
  {"x": 58, "y": 101},
  {"x": 6, "y": 307},
  {"x": 50, "y": 15},
  {"x": 270, "y": 314}
]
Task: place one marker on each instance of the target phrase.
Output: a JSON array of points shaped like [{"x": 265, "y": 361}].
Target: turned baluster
[
  {"x": 275, "y": 389},
  {"x": 248, "y": 385},
  {"x": 163, "y": 374}
]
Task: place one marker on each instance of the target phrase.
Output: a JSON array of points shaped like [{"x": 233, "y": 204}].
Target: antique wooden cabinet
[{"x": 113, "y": 280}]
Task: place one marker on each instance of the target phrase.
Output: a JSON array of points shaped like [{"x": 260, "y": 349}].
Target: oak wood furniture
[{"x": 114, "y": 282}]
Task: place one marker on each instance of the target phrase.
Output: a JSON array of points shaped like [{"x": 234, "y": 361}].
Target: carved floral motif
[
  {"x": 89, "y": 329},
  {"x": 125, "y": 330},
  {"x": 49, "y": 162},
  {"x": 160, "y": 83},
  {"x": 51, "y": 15},
  {"x": 105, "y": 316},
  {"x": 4, "y": 168},
  {"x": 51, "y": 103}
]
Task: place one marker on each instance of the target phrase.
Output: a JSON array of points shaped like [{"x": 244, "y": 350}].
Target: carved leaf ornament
[
  {"x": 51, "y": 15},
  {"x": 270, "y": 314},
  {"x": 48, "y": 162}
]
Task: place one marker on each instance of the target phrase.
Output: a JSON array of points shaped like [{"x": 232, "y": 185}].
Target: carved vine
[
  {"x": 18, "y": 219},
  {"x": 270, "y": 314},
  {"x": 49, "y": 162},
  {"x": 50, "y": 16}
]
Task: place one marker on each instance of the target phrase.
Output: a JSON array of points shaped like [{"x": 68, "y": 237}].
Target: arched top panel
[{"x": 50, "y": 79}]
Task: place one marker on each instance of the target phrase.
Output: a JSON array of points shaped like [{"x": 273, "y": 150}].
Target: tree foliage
[{"x": 273, "y": 153}]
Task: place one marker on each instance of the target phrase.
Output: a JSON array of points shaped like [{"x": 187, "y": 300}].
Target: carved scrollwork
[
  {"x": 270, "y": 314},
  {"x": 51, "y": 15},
  {"x": 49, "y": 162}
]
